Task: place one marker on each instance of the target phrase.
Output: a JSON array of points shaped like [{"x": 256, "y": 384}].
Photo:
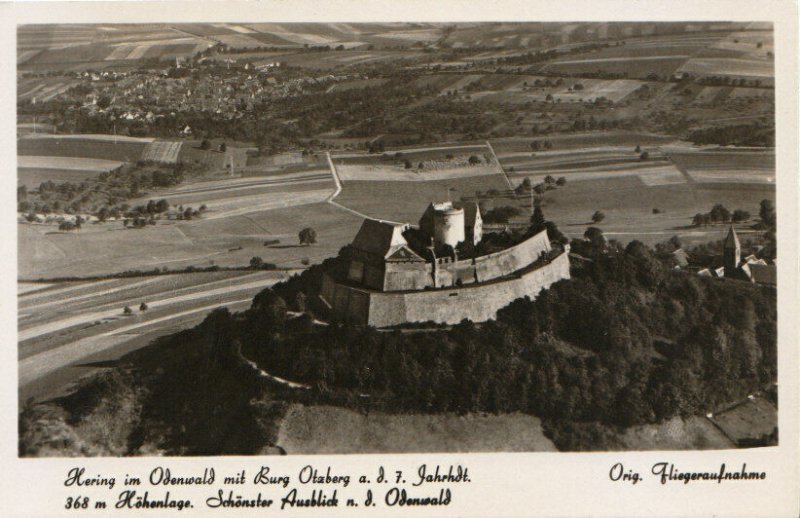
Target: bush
[{"x": 501, "y": 214}]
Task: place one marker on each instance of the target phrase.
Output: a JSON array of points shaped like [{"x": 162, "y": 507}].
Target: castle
[{"x": 382, "y": 280}]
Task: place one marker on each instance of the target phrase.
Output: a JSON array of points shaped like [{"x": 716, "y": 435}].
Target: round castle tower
[{"x": 448, "y": 225}]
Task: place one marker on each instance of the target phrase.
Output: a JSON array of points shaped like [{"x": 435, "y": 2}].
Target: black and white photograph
[{"x": 271, "y": 238}]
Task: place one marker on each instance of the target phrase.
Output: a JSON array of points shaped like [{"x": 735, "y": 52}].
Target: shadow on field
[{"x": 99, "y": 363}]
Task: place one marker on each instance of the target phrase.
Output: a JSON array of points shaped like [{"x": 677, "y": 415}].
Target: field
[
  {"x": 603, "y": 174},
  {"x": 217, "y": 238},
  {"x": 65, "y": 328},
  {"x": 88, "y": 146},
  {"x": 738, "y": 54},
  {"x": 242, "y": 212},
  {"x": 745, "y": 166},
  {"x": 405, "y": 201},
  {"x": 633, "y": 67},
  {"x": 573, "y": 141},
  {"x": 32, "y": 171},
  {"x": 215, "y": 160},
  {"x": 42, "y": 47},
  {"x": 628, "y": 204},
  {"x": 162, "y": 151},
  {"x": 332, "y": 430},
  {"x": 43, "y": 89},
  {"x": 67, "y": 163}
]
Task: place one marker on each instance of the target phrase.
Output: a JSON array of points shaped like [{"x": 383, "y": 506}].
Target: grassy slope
[{"x": 334, "y": 430}]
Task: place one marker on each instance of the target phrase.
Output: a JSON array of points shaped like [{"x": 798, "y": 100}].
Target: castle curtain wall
[
  {"x": 415, "y": 275},
  {"x": 477, "y": 303}
]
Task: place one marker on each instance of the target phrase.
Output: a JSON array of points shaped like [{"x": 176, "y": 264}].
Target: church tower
[{"x": 731, "y": 253}]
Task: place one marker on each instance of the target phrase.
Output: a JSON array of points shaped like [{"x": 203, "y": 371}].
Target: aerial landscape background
[{"x": 167, "y": 170}]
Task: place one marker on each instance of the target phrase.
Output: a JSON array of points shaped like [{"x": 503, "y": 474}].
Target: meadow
[
  {"x": 33, "y": 177},
  {"x": 335, "y": 430},
  {"x": 628, "y": 204}
]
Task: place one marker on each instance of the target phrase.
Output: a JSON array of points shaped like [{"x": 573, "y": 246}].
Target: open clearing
[{"x": 334, "y": 430}]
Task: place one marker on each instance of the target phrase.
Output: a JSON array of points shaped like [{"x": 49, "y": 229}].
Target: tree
[
  {"x": 720, "y": 214},
  {"x": 307, "y": 236},
  {"x": 223, "y": 147},
  {"x": 596, "y": 238},
  {"x": 408, "y": 164},
  {"x": 526, "y": 183},
  {"x": 474, "y": 160},
  {"x": 537, "y": 220},
  {"x": 535, "y": 145},
  {"x": 638, "y": 148},
  {"x": 104, "y": 102},
  {"x": 127, "y": 310},
  {"x": 740, "y": 215},
  {"x": 766, "y": 212},
  {"x": 644, "y": 156},
  {"x": 549, "y": 179},
  {"x": 561, "y": 181},
  {"x": 598, "y": 216},
  {"x": 205, "y": 145},
  {"x": 143, "y": 306},
  {"x": 256, "y": 263}
]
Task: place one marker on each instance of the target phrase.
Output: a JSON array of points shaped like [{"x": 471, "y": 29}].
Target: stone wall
[
  {"x": 414, "y": 276},
  {"x": 477, "y": 302}
]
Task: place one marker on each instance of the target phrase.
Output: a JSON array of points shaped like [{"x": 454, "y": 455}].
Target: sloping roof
[
  {"x": 731, "y": 240},
  {"x": 764, "y": 274},
  {"x": 471, "y": 213},
  {"x": 380, "y": 238}
]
